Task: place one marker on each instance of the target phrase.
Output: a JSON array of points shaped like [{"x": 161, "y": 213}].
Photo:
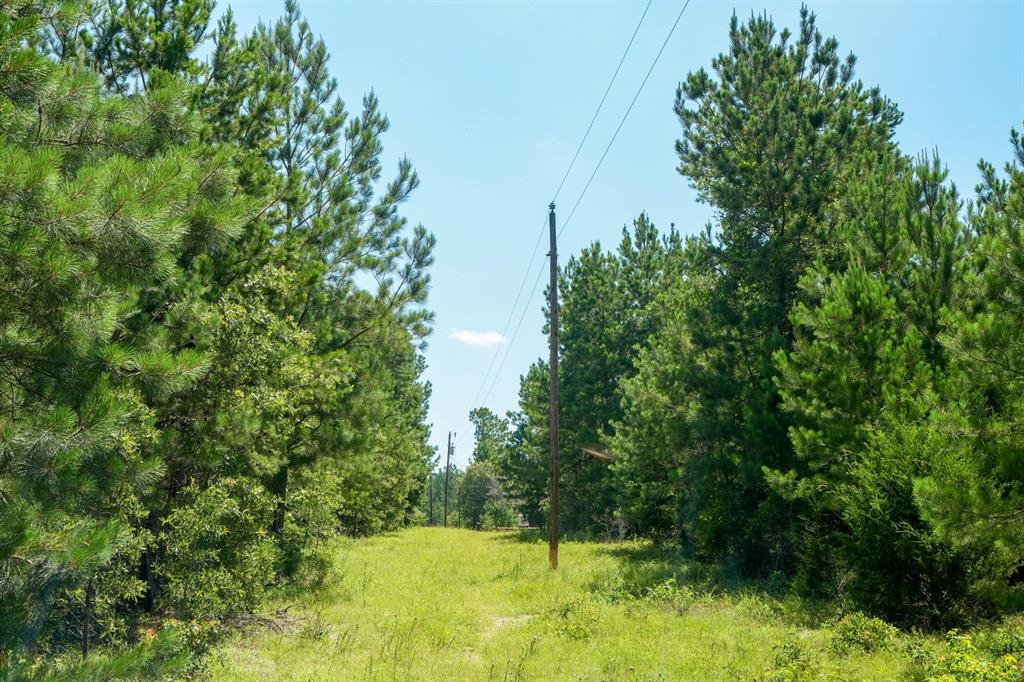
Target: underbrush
[
  {"x": 820, "y": 637},
  {"x": 992, "y": 654},
  {"x": 168, "y": 648}
]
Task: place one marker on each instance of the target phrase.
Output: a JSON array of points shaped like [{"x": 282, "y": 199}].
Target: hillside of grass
[{"x": 449, "y": 604}]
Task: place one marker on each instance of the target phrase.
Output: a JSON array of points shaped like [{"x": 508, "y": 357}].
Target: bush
[
  {"x": 858, "y": 632},
  {"x": 792, "y": 662},
  {"x": 498, "y": 514},
  {"x": 111, "y": 593},
  {"x": 575, "y": 617},
  {"x": 965, "y": 663},
  {"x": 311, "y": 522},
  {"x": 219, "y": 556},
  {"x": 1006, "y": 640},
  {"x": 672, "y": 594},
  {"x": 165, "y": 655}
]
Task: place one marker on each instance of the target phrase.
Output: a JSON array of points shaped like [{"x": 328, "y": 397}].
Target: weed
[
  {"x": 576, "y": 617},
  {"x": 792, "y": 662},
  {"x": 965, "y": 663},
  {"x": 671, "y": 594},
  {"x": 316, "y": 628},
  {"x": 1002, "y": 641},
  {"x": 515, "y": 667},
  {"x": 513, "y": 571}
]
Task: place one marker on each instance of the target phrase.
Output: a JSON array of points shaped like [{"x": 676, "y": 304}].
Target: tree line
[
  {"x": 826, "y": 384},
  {"x": 477, "y": 496},
  {"x": 211, "y": 323}
]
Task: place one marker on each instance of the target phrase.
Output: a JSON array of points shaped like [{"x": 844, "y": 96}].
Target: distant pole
[
  {"x": 447, "y": 470},
  {"x": 430, "y": 494},
  {"x": 553, "y": 398}
]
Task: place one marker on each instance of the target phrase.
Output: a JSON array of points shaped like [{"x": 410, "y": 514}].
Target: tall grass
[{"x": 448, "y": 604}]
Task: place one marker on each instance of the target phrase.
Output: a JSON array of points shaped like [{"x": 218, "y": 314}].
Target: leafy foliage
[
  {"x": 857, "y": 632},
  {"x": 198, "y": 389}
]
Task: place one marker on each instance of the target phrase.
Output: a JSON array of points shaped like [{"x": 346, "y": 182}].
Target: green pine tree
[
  {"x": 102, "y": 195},
  {"x": 974, "y": 494},
  {"x": 770, "y": 141}
]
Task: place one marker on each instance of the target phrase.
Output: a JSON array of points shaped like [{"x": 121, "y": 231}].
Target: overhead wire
[
  {"x": 593, "y": 174},
  {"x": 540, "y": 234},
  {"x": 624, "y": 117},
  {"x": 511, "y": 314},
  {"x": 515, "y": 333},
  {"x": 590, "y": 127}
]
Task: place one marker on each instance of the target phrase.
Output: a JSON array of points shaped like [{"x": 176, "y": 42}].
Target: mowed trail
[{"x": 448, "y": 604}]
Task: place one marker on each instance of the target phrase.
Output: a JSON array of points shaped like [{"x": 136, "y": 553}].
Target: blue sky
[{"x": 489, "y": 101}]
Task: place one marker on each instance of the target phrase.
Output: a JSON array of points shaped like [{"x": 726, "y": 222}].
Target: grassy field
[{"x": 447, "y": 604}]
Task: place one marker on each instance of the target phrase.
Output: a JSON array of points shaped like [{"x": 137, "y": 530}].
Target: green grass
[{"x": 447, "y": 604}]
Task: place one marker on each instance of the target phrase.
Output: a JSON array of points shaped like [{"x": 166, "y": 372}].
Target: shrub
[
  {"x": 498, "y": 514},
  {"x": 792, "y": 662},
  {"x": 965, "y": 663},
  {"x": 1006, "y": 640},
  {"x": 165, "y": 655},
  {"x": 858, "y": 632},
  {"x": 672, "y": 594},
  {"x": 311, "y": 522},
  {"x": 219, "y": 557},
  {"x": 110, "y": 593}
]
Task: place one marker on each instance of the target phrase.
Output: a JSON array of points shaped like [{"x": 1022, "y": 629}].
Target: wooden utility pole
[
  {"x": 430, "y": 493},
  {"x": 553, "y": 398},
  {"x": 447, "y": 470}
]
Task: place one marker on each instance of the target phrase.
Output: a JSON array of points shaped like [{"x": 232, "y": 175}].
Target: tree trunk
[
  {"x": 87, "y": 617},
  {"x": 148, "y": 556},
  {"x": 279, "y": 487}
]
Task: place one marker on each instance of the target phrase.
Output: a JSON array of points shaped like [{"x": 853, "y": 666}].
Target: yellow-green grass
[{"x": 448, "y": 604}]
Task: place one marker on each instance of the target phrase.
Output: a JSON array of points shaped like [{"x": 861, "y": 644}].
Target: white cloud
[{"x": 481, "y": 339}]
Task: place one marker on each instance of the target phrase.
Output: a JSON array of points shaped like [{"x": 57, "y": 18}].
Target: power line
[
  {"x": 540, "y": 234},
  {"x": 600, "y": 104},
  {"x": 624, "y": 117},
  {"x": 657, "y": 57},
  {"x": 511, "y": 314},
  {"x": 508, "y": 346}
]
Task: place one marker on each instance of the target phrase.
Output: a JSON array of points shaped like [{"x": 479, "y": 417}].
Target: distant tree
[
  {"x": 606, "y": 298},
  {"x": 478, "y": 488},
  {"x": 606, "y": 317},
  {"x": 490, "y": 435},
  {"x": 525, "y": 465}
]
